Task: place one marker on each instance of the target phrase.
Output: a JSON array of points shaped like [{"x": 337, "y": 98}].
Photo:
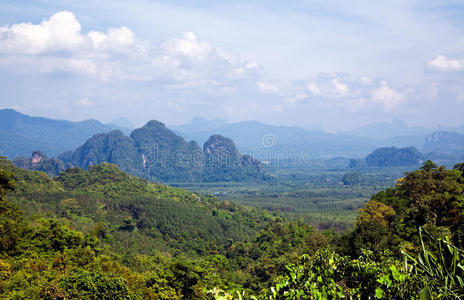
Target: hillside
[
  {"x": 20, "y": 134},
  {"x": 165, "y": 218},
  {"x": 156, "y": 153},
  {"x": 103, "y": 233}
]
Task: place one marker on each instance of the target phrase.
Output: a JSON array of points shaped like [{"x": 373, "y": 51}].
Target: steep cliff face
[
  {"x": 167, "y": 156},
  {"x": 223, "y": 162},
  {"x": 40, "y": 162},
  {"x": 221, "y": 151},
  {"x": 113, "y": 147}
]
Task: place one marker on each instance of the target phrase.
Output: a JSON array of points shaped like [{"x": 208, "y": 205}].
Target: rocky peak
[
  {"x": 222, "y": 150},
  {"x": 37, "y": 157}
]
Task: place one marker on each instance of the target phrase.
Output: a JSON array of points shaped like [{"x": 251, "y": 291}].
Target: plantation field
[{"x": 313, "y": 193}]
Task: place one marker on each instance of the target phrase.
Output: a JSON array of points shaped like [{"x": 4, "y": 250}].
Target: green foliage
[
  {"x": 140, "y": 240},
  {"x": 326, "y": 275},
  {"x": 135, "y": 210},
  {"x": 431, "y": 197},
  {"x": 7, "y": 182},
  {"x": 94, "y": 285},
  {"x": 352, "y": 178},
  {"x": 444, "y": 272}
]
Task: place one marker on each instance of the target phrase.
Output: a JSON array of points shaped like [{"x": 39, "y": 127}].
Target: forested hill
[
  {"x": 156, "y": 153},
  {"x": 132, "y": 209},
  {"x": 387, "y": 157},
  {"x": 139, "y": 240},
  {"x": 21, "y": 134}
]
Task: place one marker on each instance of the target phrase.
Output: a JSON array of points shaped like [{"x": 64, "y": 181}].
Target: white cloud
[
  {"x": 60, "y": 32},
  {"x": 442, "y": 63},
  {"x": 267, "y": 87},
  {"x": 297, "y": 98},
  {"x": 328, "y": 88},
  {"x": 59, "y": 45},
  {"x": 387, "y": 96}
]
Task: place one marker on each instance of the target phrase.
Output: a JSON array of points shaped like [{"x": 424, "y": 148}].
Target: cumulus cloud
[
  {"x": 387, "y": 96},
  {"x": 444, "y": 64},
  {"x": 59, "y": 45},
  {"x": 60, "y": 32},
  {"x": 328, "y": 88},
  {"x": 342, "y": 90}
]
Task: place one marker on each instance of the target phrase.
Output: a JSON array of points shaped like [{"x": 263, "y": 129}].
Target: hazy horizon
[{"x": 334, "y": 66}]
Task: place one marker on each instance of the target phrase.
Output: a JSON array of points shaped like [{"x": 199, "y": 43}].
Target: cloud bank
[{"x": 112, "y": 72}]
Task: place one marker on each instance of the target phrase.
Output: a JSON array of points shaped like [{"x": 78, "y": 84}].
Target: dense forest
[{"x": 104, "y": 234}]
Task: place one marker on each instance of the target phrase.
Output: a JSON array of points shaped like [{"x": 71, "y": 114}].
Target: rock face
[
  {"x": 40, "y": 162},
  {"x": 221, "y": 151},
  {"x": 444, "y": 142},
  {"x": 394, "y": 157},
  {"x": 223, "y": 162},
  {"x": 156, "y": 153},
  {"x": 113, "y": 147},
  {"x": 165, "y": 155}
]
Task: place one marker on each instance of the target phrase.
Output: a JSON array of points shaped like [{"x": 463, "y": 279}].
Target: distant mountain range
[
  {"x": 20, "y": 134},
  {"x": 269, "y": 142}
]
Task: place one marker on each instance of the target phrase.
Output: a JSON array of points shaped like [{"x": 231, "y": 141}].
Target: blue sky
[{"x": 329, "y": 64}]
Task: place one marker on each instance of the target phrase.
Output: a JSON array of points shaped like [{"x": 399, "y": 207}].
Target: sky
[{"x": 335, "y": 65}]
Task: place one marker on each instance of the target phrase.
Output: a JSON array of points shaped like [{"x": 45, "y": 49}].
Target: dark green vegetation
[
  {"x": 103, "y": 233},
  {"x": 394, "y": 157},
  {"x": 158, "y": 154},
  {"x": 21, "y": 134}
]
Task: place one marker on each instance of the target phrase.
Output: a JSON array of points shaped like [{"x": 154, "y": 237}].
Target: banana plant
[{"x": 443, "y": 272}]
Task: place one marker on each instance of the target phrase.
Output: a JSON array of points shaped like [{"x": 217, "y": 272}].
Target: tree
[
  {"x": 352, "y": 178},
  {"x": 6, "y": 178}
]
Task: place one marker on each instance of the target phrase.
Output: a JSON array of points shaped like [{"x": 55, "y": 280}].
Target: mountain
[
  {"x": 122, "y": 123},
  {"x": 223, "y": 162},
  {"x": 394, "y": 157},
  {"x": 199, "y": 124},
  {"x": 444, "y": 148},
  {"x": 388, "y": 130},
  {"x": 274, "y": 143},
  {"x": 156, "y": 153},
  {"x": 20, "y": 134},
  {"x": 445, "y": 142},
  {"x": 389, "y": 157},
  {"x": 280, "y": 144}
]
